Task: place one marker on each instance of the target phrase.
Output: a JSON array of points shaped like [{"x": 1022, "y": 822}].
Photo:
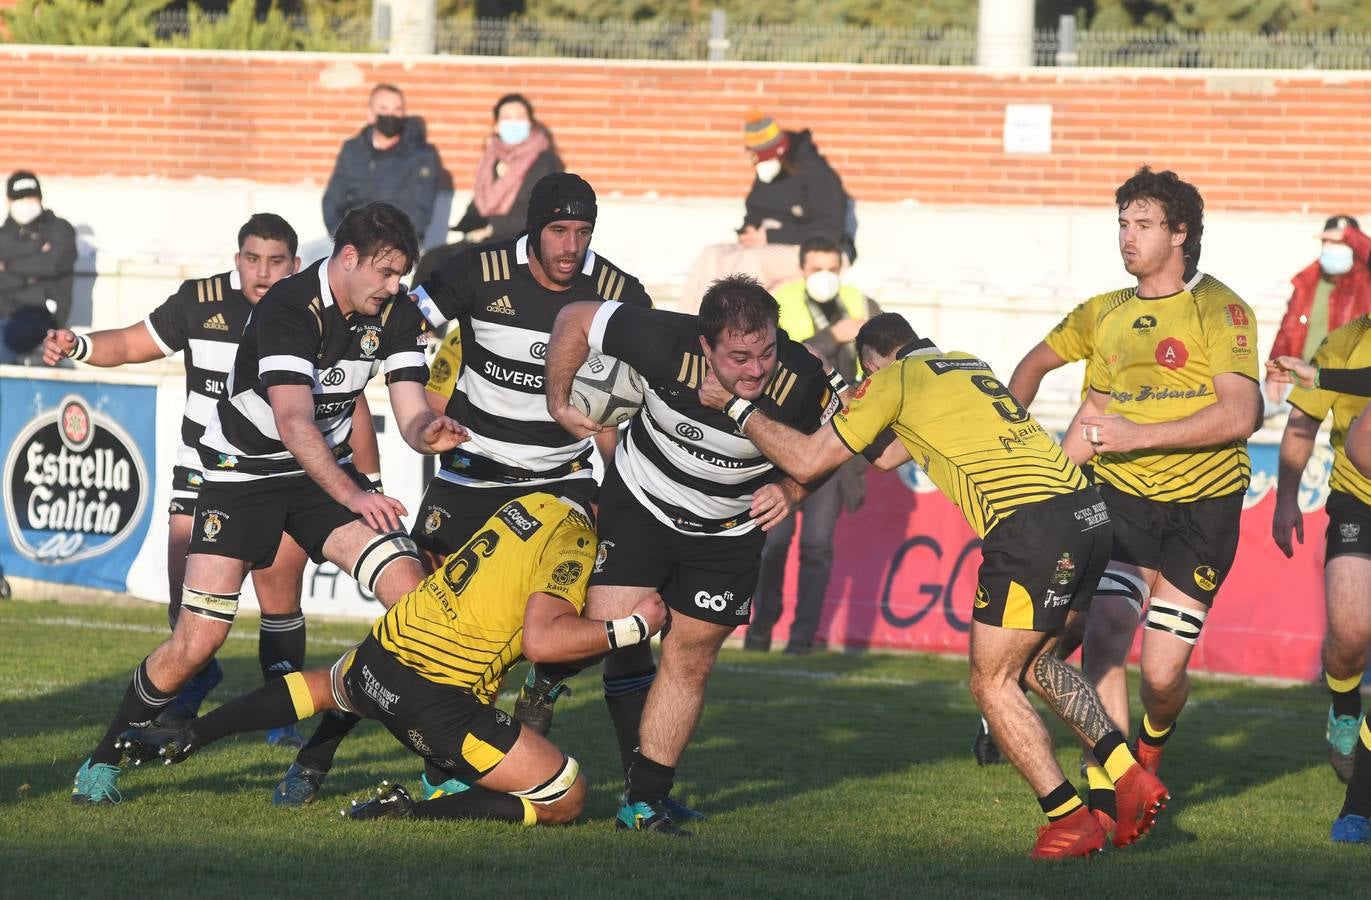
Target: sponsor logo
[
  {"x": 442, "y": 370},
  {"x": 743, "y": 610},
  {"x": 690, "y": 432},
  {"x": 416, "y": 740},
  {"x": 1054, "y": 600},
  {"x": 434, "y": 520},
  {"x": 1240, "y": 340},
  {"x": 1349, "y": 531},
  {"x": 1236, "y": 316},
  {"x": 1092, "y": 516},
  {"x": 1206, "y": 577},
  {"x": 497, "y": 372},
  {"x": 1017, "y": 436},
  {"x": 715, "y": 602},
  {"x": 1144, "y": 324},
  {"x": 943, "y": 366},
  {"x": 601, "y": 554},
  {"x": 518, "y": 519},
  {"x": 1066, "y": 570},
  {"x": 538, "y": 350},
  {"x": 1150, "y": 392},
  {"x": 75, "y": 484},
  {"x": 216, "y": 322},
  {"x": 370, "y": 341},
  {"x": 212, "y": 522},
  {"x": 567, "y": 572},
  {"x": 332, "y": 378},
  {"x": 502, "y": 718},
  {"x": 284, "y": 667},
  {"x": 372, "y": 687},
  {"x": 982, "y": 597},
  {"x": 502, "y": 305},
  {"x": 227, "y": 461},
  {"x": 1171, "y": 354},
  {"x": 195, "y": 479}
]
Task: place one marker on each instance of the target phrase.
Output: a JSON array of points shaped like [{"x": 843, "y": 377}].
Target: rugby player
[
  {"x": 204, "y": 320},
  {"x": 276, "y": 458},
  {"x": 1046, "y": 539},
  {"x": 1173, "y": 398},
  {"x": 432, "y": 667},
  {"x": 501, "y": 299}
]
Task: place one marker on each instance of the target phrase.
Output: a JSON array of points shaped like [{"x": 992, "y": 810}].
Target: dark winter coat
[
  {"x": 39, "y": 259},
  {"x": 511, "y": 224},
  {"x": 407, "y": 175},
  {"x": 808, "y": 202}
]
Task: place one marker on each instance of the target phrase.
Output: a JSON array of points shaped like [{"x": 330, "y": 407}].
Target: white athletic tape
[
  {"x": 554, "y": 788},
  {"x": 626, "y": 632},
  {"x": 380, "y": 553},
  {"x": 1126, "y": 584},
  {"x": 1183, "y": 623},
  {"x": 219, "y": 607},
  {"x": 336, "y": 673}
]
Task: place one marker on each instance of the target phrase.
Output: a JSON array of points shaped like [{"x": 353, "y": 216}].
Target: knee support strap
[
  {"x": 1123, "y": 584},
  {"x": 336, "y": 673},
  {"x": 381, "y": 552},
  {"x": 1183, "y": 623},
  {"x": 219, "y": 607},
  {"x": 554, "y": 788}
]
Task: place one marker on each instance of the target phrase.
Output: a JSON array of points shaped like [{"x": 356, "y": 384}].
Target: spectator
[
  {"x": 795, "y": 195},
  {"x": 518, "y": 151},
  {"x": 1328, "y": 293},
  {"x": 390, "y": 159},
  {"x": 37, "y": 259},
  {"x": 824, "y": 314}
]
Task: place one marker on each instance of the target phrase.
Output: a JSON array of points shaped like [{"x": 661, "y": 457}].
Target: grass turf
[{"x": 824, "y": 776}]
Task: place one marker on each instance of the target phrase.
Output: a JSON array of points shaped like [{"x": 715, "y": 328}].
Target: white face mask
[
  {"x": 26, "y": 209},
  {"x": 767, "y": 170},
  {"x": 1336, "y": 259},
  {"x": 822, "y": 285}
]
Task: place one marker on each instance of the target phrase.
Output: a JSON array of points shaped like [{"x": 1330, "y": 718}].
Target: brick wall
[{"x": 1250, "y": 140}]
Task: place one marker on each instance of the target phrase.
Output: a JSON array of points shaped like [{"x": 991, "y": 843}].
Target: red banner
[{"x": 905, "y": 573}]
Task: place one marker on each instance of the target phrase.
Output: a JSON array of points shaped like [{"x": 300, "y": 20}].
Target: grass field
[{"x": 828, "y": 776}]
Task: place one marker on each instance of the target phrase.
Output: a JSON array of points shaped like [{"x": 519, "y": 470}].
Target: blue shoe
[
  {"x": 682, "y": 813},
  {"x": 1351, "y": 829},
  {"x": 299, "y": 787},
  {"x": 642, "y": 816},
  {"x": 187, "y": 703},
  {"x": 286, "y": 736},
  {"x": 98, "y": 783},
  {"x": 451, "y": 786}
]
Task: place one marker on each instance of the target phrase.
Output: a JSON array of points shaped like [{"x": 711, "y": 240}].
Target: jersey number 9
[{"x": 1010, "y": 410}]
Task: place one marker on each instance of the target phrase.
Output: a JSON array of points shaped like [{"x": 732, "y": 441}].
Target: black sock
[
  {"x": 323, "y": 744},
  {"x": 1150, "y": 734},
  {"x": 648, "y": 781},
  {"x": 1061, "y": 802},
  {"x": 270, "y": 706},
  {"x": 281, "y": 644},
  {"x": 625, "y": 695},
  {"x": 1358, "y": 799},
  {"x": 475, "y": 802},
  {"x": 141, "y": 704},
  {"x": 1346, "y": 694}
]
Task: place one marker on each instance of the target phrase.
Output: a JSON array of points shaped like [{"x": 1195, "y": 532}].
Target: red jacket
[{"x": 1351, "y": 297}]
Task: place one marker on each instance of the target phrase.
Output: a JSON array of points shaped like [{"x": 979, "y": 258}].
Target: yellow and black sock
[
  {"x": 1358, "y": 799},
  {"x": 1346, "y": 693},
  {"x": 1101, "y": 794},
  {"x": 477, "y": 802},
  {"x": 1113, "y": 755},
  {"x": 1061, "y": 802},
  {"x": 1152, "y": 735},
  {"x": 280, "y": 701}
]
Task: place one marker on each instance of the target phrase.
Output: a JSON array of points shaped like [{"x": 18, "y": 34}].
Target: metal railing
[{"x": 721, "y": 40}]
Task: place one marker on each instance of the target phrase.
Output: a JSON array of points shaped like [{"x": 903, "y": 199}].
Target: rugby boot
[
  {"x": 1139, "y": 796},
  {"x": 96, "y": 784},
  {"x": 1076, "y": 835},
  {"x": 1342, "y": 744},
  {"x": 299, "y": 786},
  {"x": 644, "y": 816},
  {"x": 533, "y": 709},
  {"x": 390, "y": 802}
]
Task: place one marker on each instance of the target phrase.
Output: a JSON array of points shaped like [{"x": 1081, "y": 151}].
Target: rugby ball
[{"x": 607, "y": 390}]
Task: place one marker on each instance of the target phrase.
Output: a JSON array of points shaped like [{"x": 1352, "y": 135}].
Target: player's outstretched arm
[
  {"x": 112, "y": 347},
  {"x": 1235, "y": 415},
  {"x": 555, "y": 632},
  {"x": 1029, "y": 373},
  {"x": 1356, "y": 382},
  {"x": 1291, "y": 370},
  {"x": 1297, "y": 445},
  {"x": 567, "y": 350},
  {"x": 424, "y": 430}
]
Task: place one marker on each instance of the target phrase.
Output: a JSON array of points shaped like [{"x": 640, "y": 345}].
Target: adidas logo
[
  {"x": 745, "y": 608},
  {"x": 283, "y": 666},
  {"x": 503, "y": 306},
  {"x": 216, "y": 323}
]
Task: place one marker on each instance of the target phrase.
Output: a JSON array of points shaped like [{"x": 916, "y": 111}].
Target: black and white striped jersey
[
  {"x": 506, "y": 318},
  {"x": 689, "y": 465},
  {"x": 204, "y": 319},
  {"x": 297, "y": 335}
]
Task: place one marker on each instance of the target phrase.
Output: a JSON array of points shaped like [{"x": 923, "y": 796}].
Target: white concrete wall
[{"x": 991, "y": 280}]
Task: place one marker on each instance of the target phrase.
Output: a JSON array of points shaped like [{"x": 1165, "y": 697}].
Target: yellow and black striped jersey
[
  {"x": 959, "y": 422},
  {"x": 447, "y": 364},
  {"x": 1157, "y": 359},
  {"x": 1345, "y": 348},
  {"x": 1074, "y": 336},
  {"x": 464, "y": 624}
]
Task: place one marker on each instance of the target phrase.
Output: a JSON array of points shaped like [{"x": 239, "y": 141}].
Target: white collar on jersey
[
  {"x": 325, "y": 292},
  {"x": 234, "y": 281},
  {"x": 521, "y": 255},
  {"x": 1193, "y": 282}
]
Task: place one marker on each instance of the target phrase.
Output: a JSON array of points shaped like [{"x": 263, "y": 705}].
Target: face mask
[
  {"x": 1336, "y": 259},
  {"x": 822, "y": 285},
  {"x": 767, "y": 170},
  {"x": 389, "y": 126},
  {"x": 26, "y": 209},
  {"x": 513, "y": 131}
]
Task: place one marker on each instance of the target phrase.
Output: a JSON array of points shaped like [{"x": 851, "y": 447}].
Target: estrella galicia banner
[{"x": 78, "y": 464}]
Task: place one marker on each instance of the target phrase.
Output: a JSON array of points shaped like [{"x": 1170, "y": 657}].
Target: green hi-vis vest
[{"x": 796, "y": 320}]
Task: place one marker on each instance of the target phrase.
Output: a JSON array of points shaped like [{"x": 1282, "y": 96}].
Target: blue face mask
[
  {"x": 1336, "y": 259},
  {"x": 513, "y": 131}
]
